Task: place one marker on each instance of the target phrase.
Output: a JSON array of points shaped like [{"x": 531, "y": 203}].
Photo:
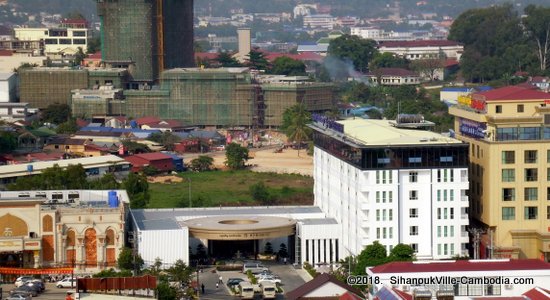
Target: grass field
[{"x": 230, "y": 188}]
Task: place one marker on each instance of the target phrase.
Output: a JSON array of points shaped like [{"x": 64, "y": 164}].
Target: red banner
[{"x": 21, "y": 271}]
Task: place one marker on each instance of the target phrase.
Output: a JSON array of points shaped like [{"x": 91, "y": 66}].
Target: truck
[
  {"x": 246, "y": 290},
  {"x": 269, "y": 289}
]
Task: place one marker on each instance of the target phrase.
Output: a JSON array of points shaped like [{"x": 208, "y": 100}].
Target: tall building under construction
[{"x": 146, "y": 36}]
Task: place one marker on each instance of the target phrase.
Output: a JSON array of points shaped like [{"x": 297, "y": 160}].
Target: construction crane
[{"x": 160, "y": 37}]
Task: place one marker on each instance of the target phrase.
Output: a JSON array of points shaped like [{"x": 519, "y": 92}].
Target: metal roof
[{"x": 163, "y": 219}]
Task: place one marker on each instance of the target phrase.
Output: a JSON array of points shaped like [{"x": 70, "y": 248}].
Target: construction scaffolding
[
  {"x": 278, "y": 97},
  {"x": 209, "y": 97},
  {"x": 148, "y": 36},
  {"x": 41, "y": 87}
]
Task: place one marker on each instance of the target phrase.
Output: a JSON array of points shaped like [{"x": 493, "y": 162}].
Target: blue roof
[
  {"x": 456, "y": 89},
  {"x": 174, "y": 156},
  {"x": 121, "y": 130}
]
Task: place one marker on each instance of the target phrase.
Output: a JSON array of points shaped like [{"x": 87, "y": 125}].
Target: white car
[
  {"x": 269, "y": 278},
  {"x": 22, "y": 279},
  {"x": 66, "y": 283}
]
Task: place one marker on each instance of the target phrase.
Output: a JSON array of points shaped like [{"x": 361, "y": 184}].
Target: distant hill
[{"x": 63, "y": 7}]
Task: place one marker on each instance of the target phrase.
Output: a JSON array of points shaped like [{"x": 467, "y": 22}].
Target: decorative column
[
  {"x": 36, "y": 256},
  {"x": 80, "y": 256},
  {"x": 101, "y": 252}
]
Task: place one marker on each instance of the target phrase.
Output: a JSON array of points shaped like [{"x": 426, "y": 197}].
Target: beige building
[
  {"x": 509, "y": 131},
  {"x": 80, "y": 229},
  {"x": 56, "y": 40}
]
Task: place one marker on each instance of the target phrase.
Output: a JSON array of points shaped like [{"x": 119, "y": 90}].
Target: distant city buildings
[{"x": 394, "y": 183}]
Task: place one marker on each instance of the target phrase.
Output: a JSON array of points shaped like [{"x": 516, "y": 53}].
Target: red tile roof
[
  {"x": 316, "y": 283},
  {"x": 537, "y": 294},
  {"x": 451, "y": 62},
  {"x": 74, "y": 21},
  {"x": 513, "y": 93},
  {"x": 153, "y": 156},
  {"x": 147, "y": 120},
  {"x": 96, "y": 55},
  {"x": 392, "y": 72},
  {"x": 421, "y": 43},
  {"x": 349, "y": 296},
  {"x": 462, "y": 265}
]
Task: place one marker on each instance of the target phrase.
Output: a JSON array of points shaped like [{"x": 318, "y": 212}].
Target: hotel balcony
[{"x": 466, "y": 113}]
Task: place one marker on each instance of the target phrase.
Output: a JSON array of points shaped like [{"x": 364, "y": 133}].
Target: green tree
[
  {"x": 268, "y": 249},
  {"x": 351, "y": 47},
  {"x": 180, "y": 272},
  {"x": 355, "y": 91},
  {"x": 149, "y": 171},
  {"x": 257, "y": 60},
  {"x": 127, "y": 260},
  {"x": 235, "y": 156},
  {"x": 67, "y": 127},
  {"x": 107, "y": 182},
  {"x": 226, "y": 60},
  {"x": 287, "y": 66},
  {"x": 94, "y": 45},
  {"x": 373, "y": 255},
  {"x": 56, "y": 113},
  {"x": 79, "y": 56},
  {"x": 135, "y": 147},
  {"x": 537, "y": 24},
  {"x": 165, "y": 292},
  {"x": 259, "y": 192},
  {"x": 283, "y": 252},
  {"x": 109, "y": 273},
  {"x": 202, "y": 163},
  {"x": 8, "y": 141},
  {"x": 137, "y": 187},
  {"x": 487, "y": 33},
  {"x": 388, "y": 60},
  {"x": 401, "y": 252},
  {"x": 166, "y": 139},
  {"x": 295, "y": 121},
  {"x": 428, "y": 67}
]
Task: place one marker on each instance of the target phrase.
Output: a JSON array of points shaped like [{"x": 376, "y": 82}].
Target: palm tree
[{"x": 297, "y": 130}]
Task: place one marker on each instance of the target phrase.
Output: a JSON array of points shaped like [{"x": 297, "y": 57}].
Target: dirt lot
[{"x": 267, "y": 160}]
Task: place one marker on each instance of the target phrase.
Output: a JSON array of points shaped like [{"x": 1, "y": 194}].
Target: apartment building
[
  {"x": 392, "y": 182},
  {"x": 508, "y": 131}
]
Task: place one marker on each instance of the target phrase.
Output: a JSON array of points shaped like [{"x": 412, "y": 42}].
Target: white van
[
  {"x": 255, "y": 268},
  {"x": 269, "y": 289},
  {"x": 246, "y": 290}
]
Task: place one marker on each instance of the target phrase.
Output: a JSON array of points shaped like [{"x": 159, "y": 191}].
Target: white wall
[
  {"x": 170, "y": 245},
  {"x": 8, "y": 89}
]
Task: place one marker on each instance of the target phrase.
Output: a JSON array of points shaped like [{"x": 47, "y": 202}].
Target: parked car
[
  {"x": 269, "y": 278},
  {"x": 234, "y": 281},
  {"x": 19, "y": 296},
  {"x": 24, "y": 289},
  {"x": 22, "y": 279},
  {"x": 34, "y": 286},
  {"x": 40, "y": 283},
  {"x": 66, "y": 283}
]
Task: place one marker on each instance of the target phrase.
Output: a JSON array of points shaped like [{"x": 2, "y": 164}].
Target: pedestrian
[
  {"x": 220, "y": 281},
  {"x": 202, "y": 288},
  {"x": 217, "y": 284}
]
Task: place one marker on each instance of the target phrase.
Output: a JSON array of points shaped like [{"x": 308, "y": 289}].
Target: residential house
[
  {"x": 160, "y": 161},
  {"x": 393, "y": 77}
]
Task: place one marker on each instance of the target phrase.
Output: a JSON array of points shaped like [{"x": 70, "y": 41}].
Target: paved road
[{"x": 51, "y": 292}]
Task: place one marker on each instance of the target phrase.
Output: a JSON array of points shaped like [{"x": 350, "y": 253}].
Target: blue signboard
[
  {"x": 327, "y": 122},
  {"x": 472, "y": 129}
]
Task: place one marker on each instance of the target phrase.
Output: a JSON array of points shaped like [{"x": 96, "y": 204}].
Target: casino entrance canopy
[{"x": 231, "y": 228}]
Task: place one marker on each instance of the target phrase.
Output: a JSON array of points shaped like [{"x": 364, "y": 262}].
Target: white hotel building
[{"x": 393, "y": 183}]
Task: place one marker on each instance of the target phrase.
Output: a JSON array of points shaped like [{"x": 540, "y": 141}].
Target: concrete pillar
[
  {"x": 36, "y": 256},
  {"x": 80, "y": 256},
  {"x": 101, "y": 252}
]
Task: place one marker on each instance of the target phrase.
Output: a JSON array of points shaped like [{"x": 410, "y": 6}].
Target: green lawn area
[{"x": 230, "y": 188}]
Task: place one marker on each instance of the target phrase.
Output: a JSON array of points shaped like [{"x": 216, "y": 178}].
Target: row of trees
[{"x": 498, "y": 42}]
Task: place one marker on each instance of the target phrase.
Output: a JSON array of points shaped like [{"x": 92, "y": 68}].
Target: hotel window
[
  {"x": 531, "y": 212},
  {"x": 390, "y": 196},
  {"x": 548, "y": 174},
  {"x": 508, "y": 213},
  {"x": 452, "y": 249},
  {"x": 508, "y": 175},
  {"x": 377, "y": 215},
  {"x": 384, "y": 231},
  {"x": 438, "y": 249},
  {"x": 531, "y": 194},
  {"x": 413, "y": 213},
  {"x": 391, "y": 233},
  {"x": 508, "y": 194},
  {"x": 452, "y": 195},
  {"x": 377, "y": 197},
  {"x": 414, "y": 247},
  {"x": 529, "y": 133},
  {"x": 530, "y": 156},
  {"x": 438, "y": 231},
  {"x": 445, "y": 249},
  {"x": 452, "y": 211},
  {"x": 548, "y": 156},
  {"x": 413, "y": 230},
  {"x": 439, "y": 213},
  {"x": 413, "y": 195},
  {"x": 508, "y": 157},
  {"x": 548, "y": 212},
  {"x": 531, "y": 174},
  {"x": 444, "y": 231},
  {"x": 445, "y": 210},
  {"x": 452, "y": 231},
  {"x": 438, "y": 195},
  {"x": 383, "y": 215},
  {"x": 390, "y": 214},
  {"x": 548, "y": 193},
  {"x": 413, "y": 176},
  {"x": 507, "y": 134},
  {"x": 378, "y": 233},
  {"x": 520, "y": 108},
  {"x": 498, "y": 109}
]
